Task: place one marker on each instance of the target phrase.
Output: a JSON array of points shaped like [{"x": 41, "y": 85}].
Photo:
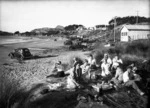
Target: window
[
  {"x": 124, "y": 34},
  {"x": 148, "y": 36}
]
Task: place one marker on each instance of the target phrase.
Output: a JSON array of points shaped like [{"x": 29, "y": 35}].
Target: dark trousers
[
  {"x": 79, "y": 75},
  {"x": 133, "y": 84}
]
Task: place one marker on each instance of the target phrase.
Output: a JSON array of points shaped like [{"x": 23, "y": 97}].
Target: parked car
[
  {"x": 20, "y": 54},
  {"x": 78, "y": 45}
]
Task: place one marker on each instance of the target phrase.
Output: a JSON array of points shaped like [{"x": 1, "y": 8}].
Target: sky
[{"x": 27, "y": 15}]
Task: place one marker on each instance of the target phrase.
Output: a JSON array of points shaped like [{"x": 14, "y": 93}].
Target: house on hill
[
  {"x": 80, "y": 28},
  {"x": 134, "y": 32}
]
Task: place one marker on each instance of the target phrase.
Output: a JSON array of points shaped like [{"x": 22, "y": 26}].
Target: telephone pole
[
  {"x": 137, "y": 17},
  {"x": 114, "y": 28}
]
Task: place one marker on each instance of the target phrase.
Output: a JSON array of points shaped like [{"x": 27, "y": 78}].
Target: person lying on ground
[{"x": 129, "y": 81}]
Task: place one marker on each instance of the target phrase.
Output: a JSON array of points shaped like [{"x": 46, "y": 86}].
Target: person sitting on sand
[
  {"x": 115, "y": 62},
  {"x": 118, "y": 79},
  {"x": 93, "y": 66},
  {"x": 78, "y": 73},
  {"x": 73, "y": 77},
  {"x": 85, "y": 70},
  {"x": 85, "y": 67},
  {"x": 58, "y": 70},
  {"x": 129, "y": 80},
  {"x": 92, "y": 62},
  {"x": 105, "y": 68},
  {"x": 137, "y": 77},
  {"x": 71, "y": 83},
  {"x": 108, "y": 59},
  {"x": 76, "y": 61}
]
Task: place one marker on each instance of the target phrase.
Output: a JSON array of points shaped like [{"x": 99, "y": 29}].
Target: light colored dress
[
  {"x": 126, "y": 76},
  {"x": 105, "y": 69}
]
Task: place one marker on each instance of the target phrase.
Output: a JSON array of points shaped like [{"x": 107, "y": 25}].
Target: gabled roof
[{"x": 137, "y": 27}]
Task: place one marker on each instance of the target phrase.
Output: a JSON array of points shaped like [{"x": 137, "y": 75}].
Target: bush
[
  {"x": 139, "y": 47},
  {"x": 128, "y": 59},
  {"x": 134, "y": 52}
]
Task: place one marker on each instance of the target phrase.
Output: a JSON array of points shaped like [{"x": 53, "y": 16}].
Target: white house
[
  {"x": 91, "y": 28},
  {"x": 80, "y": 28},
  {"x": 134, "y": 32}
]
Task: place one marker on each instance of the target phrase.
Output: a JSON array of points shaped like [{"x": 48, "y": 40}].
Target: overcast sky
[{"x": 28, "y": 15}]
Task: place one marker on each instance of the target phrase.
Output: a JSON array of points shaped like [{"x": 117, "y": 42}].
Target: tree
[
  {"x": 100, "y": 26},
  {"x": 73, "y": 27},
  {"x": 129, "y": 20},
  {"x": 16, "y": 33},
  {"x": 4, "y": 33}
]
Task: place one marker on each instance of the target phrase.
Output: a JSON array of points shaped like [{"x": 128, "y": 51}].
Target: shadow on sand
[
  {"x": 32, "y": 58},
  {"x": 39, "y": 56}
]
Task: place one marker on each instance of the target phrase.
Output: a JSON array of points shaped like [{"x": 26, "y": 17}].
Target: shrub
[
  {"x": 129, "y": 59},
  {"x": 139, "y": 47},
  {"x": 134, "y": 52}
]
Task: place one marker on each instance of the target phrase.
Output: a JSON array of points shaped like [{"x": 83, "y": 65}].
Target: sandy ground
[{"x": 34, "y": 70}]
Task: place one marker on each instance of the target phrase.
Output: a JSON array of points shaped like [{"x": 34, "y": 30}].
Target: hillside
[{"x": 4, "y": 33}]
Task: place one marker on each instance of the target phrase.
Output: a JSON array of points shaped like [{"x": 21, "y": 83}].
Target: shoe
[{"x": 141, "y": 93}]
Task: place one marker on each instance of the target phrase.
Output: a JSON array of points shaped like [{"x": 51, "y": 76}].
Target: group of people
[{"x": 90, "y": 69}]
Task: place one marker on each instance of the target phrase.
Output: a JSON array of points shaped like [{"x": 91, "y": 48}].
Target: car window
[{"x": 26, "y": 50}]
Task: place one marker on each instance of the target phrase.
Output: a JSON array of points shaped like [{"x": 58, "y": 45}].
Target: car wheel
[
  {"x": 11, "y": 56},
  {"x": 21, "y": 58}
]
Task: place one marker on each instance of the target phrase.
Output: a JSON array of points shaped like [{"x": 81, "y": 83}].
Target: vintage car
[
  {"x": 78, "y": 45},
  {"x": 20, "y": 54}
]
